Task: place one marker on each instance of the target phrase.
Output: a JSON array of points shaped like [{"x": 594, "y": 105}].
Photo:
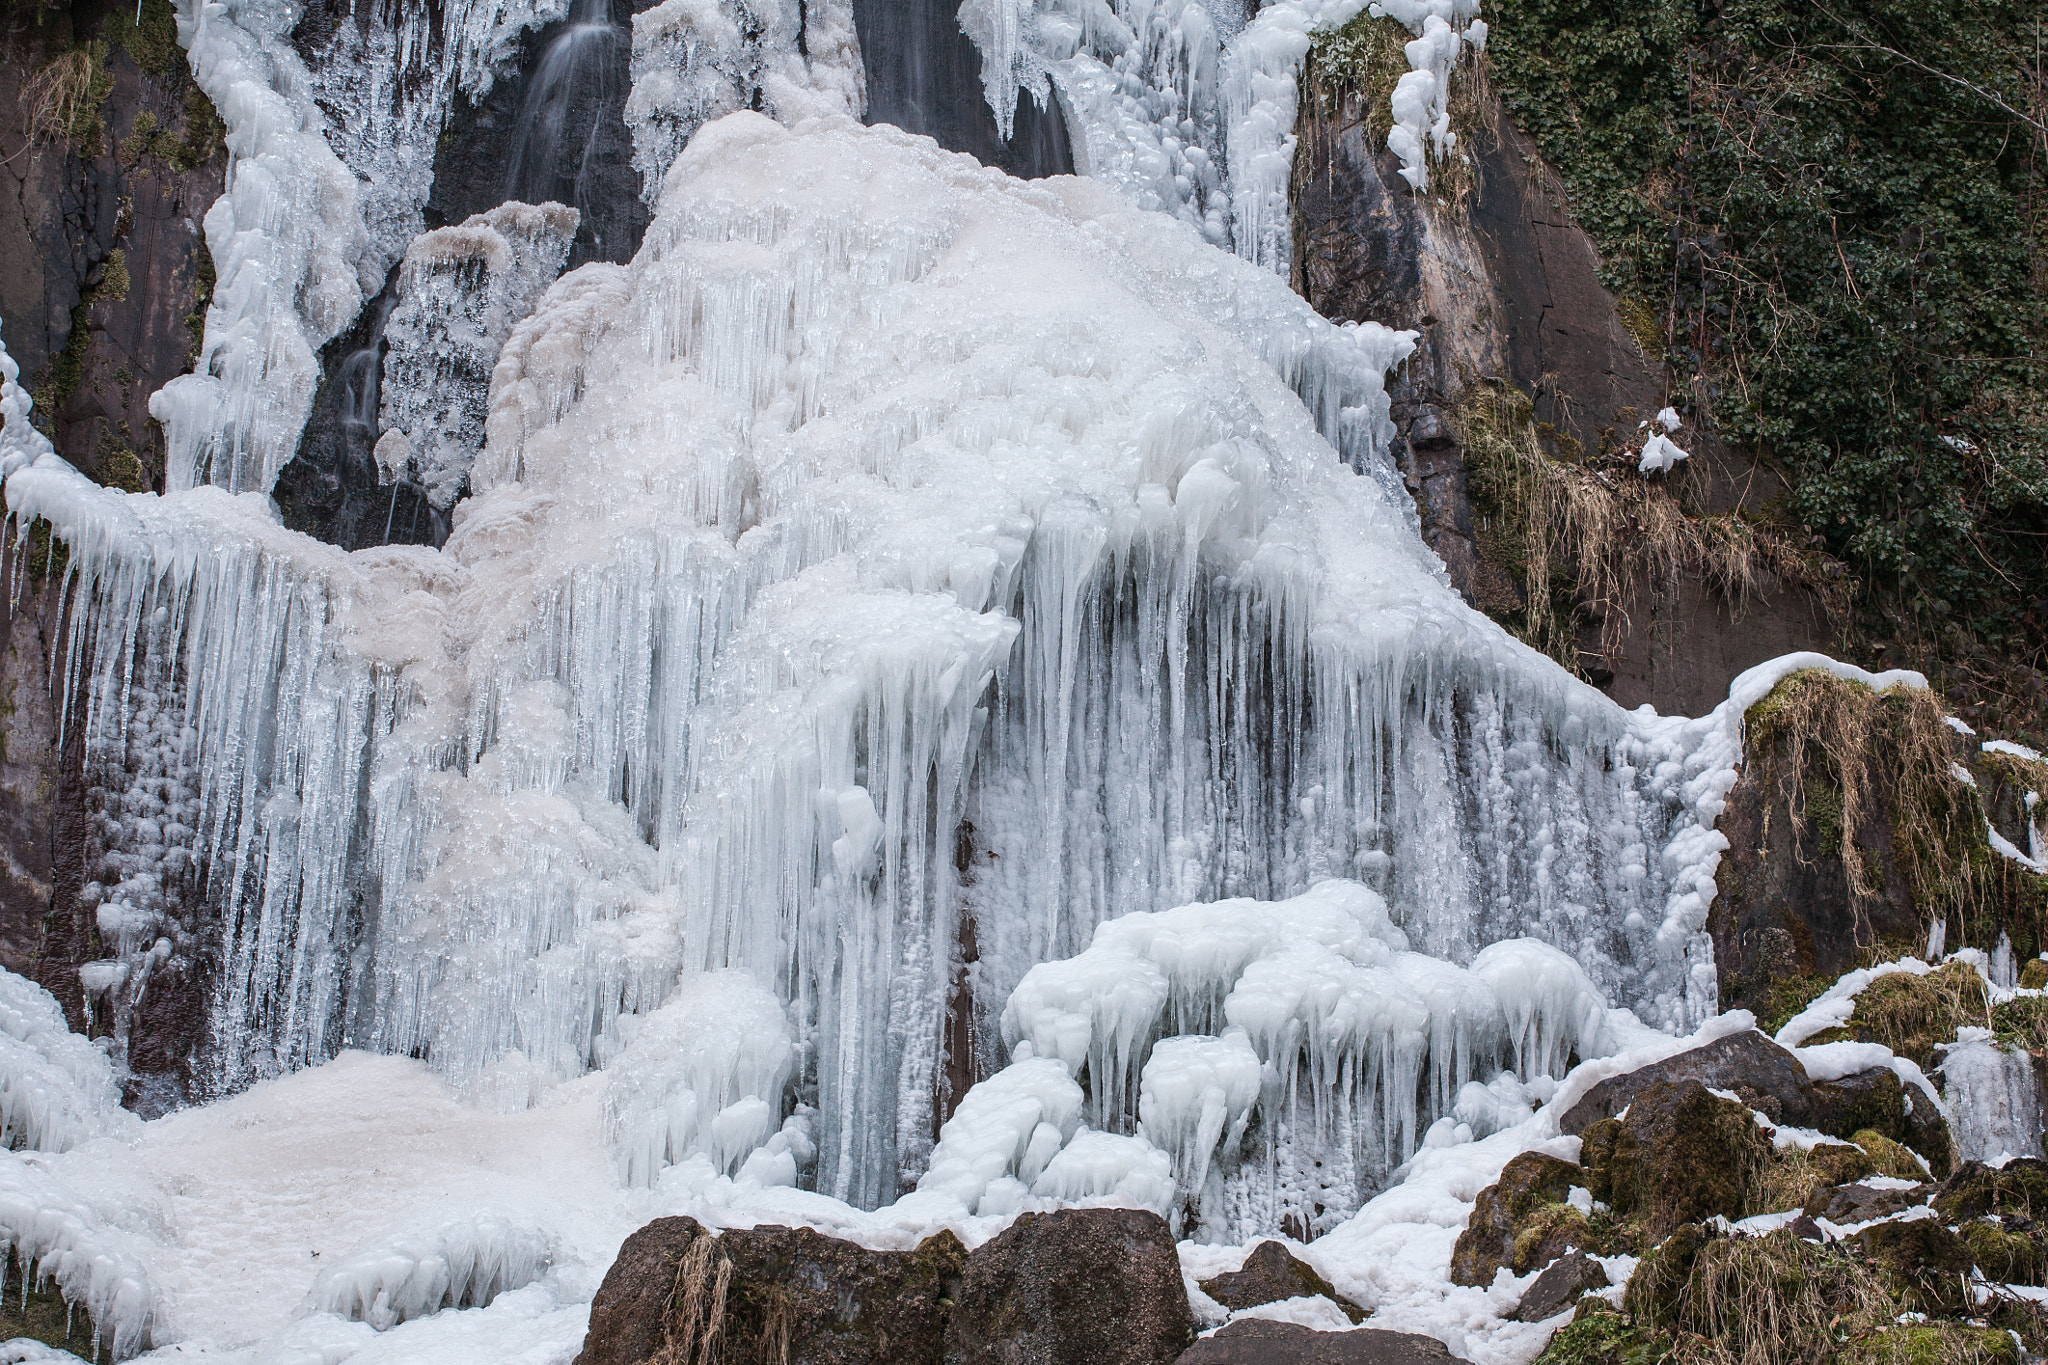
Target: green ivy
[{"x": 1830, "y": 215}]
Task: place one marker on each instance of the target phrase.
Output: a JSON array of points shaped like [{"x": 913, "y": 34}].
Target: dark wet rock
[
  {"x": 1769, "y": 1079},
  {"x": 1255, "y": 1342},
  {"x": 1683, "y": 1154},
  {"x": 1075, "y": 1287},
  {"x": 805, "y": 1298},
  {"x": 924, "y": 76},
  {"x": 1806, "y": 1230},
  {"x": 1521, "y": 1221},
  {"x": 1272, "y": 1273},
  {"x": 1570, "y": 1278},
  {"x": 1922, "y": 1260},
  {"x": 1859, "y": 1203},
  {"x": 1874, "y": 1099},
  {"x": 1975, "y": 1190}
]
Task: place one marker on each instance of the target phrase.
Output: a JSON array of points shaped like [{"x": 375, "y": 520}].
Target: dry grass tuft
[
  {"x": 55, "y": 98},
  {"x": 694, "y": 1324},
  {"x": 1842, "y": 753},
  {"x": 1581, "y": 537}
]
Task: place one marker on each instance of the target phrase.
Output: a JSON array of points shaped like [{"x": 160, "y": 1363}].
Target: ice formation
[
  {"x": 704, "y": 1075},
  {"x": 1995, "y": 1096},
  {"x": 462, "y": 1263},
  {"x": 460, "y": 292},
  {"x": 893, "y": 545},
  {"x": 697, "y": 60},
  {"x": 329, "y": 165},
  {"x": 1309, "y": 1016},
  {"x": 1188, "y": 107},
  {"x": 56, "y": 1238},
  {"x": 57, "y": 1089}
]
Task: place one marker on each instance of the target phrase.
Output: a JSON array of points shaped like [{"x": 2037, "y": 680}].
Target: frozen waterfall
[{"x": 895, "y": 573}]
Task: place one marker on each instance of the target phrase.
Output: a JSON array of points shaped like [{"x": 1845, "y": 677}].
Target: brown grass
[
  {"x": 55, "y": 97},
  {"x": 1839, "y": 745},
  {"x": 1588, "y": 540}
]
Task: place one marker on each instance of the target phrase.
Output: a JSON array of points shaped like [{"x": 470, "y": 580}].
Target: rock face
[
  {"x": 1272, "y": 1273},
  {"x": 1767, "y": 1077},
  {"x": 1569, "y": 1279},
  {"x": 1256, "y": 1342},
  {"x": 106, "y": 277},
  {"x": 1100, "y": 1286},
  {"x": 1504, "y": 286},
  {"x": 1521, "y": 1221},
  {"x": 777, "y": 1293},
  {"x": 1681, "y": 1155},
  {"x": 924, "y": 76}
]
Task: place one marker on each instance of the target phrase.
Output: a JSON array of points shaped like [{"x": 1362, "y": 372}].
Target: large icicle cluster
[
  {"x": 1189, "y": 108},
  {"x": 329, "y": 165},
  {"x": 460, "y": 292},
  {"x": 697, "y": 60},
  {"x": 1307, "y": 1023},
  {"x": 894, "y": 573}
]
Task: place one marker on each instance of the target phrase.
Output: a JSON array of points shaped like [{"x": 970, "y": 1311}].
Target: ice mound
[
  {"x": 462, "y": 1263},
  {"x": 460, "y": 291},
  {"x": 59, "y": 1239},
  {"x": 704, "y": 1076},
  {"x": 1305, "y": 1024},
  {"x": 57, "y": 1089}
]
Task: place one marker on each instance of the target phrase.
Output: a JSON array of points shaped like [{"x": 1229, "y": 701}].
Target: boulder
[
  {"x": 1074, "y": 1287},
  {"x": 1272, "y": 1273},
  {"x": 1521, "y": 1221},
  {"x": 1923, "y": 1262},
  {"x": 1570, "y": 1278},
  {"x": 1769, "y": 1079},
  {"x": 1254, "y": 1341},
  {"x": 1873, "y": 1099},
  {"x": 1682, "y": 1155},
  {"x": 1858, "y": 1203},
  {"x": 791, "y": 1293},
  {"x": 2020, "y": 1186}
]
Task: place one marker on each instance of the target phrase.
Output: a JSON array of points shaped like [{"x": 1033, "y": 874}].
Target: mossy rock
[
  {"x": 1596, "y": 1156},
  {"x": 2018, "y": 1189},
  {"x": 1659, "y": 1281},
  {"x": 1923, "y": 1263},
  {"x": 1913, "y": 1015},
  {"x": 1934, "y": 1343},
  {"x": 2004, "y": 1254},
  {"x": 1521, "y": 1220},
  {"x": 2023, "y": 1021},
  {"x": 1601, "y": 1335},
  {"x": 1684, "y": 1154},
  {"x": 2034, "y": 976},
  {"x": 1890, "y": 1158},
  {"x": 1874, "y": 1099}
]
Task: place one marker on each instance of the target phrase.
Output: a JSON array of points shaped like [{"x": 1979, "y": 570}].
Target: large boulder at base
[
  {"x": 1570, "y": 1278},
  {"x": 808, "y": 1299},
  {"x": 1769, "y": 1079},
  {"x": 1521, "y": 1221},
  {"x": 1254, "y": 1341},
  {"x": 1681, "y": 1154},
  {"x": 1074, "y": 1287},
  {"x": 1272, "y": 1273}
]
